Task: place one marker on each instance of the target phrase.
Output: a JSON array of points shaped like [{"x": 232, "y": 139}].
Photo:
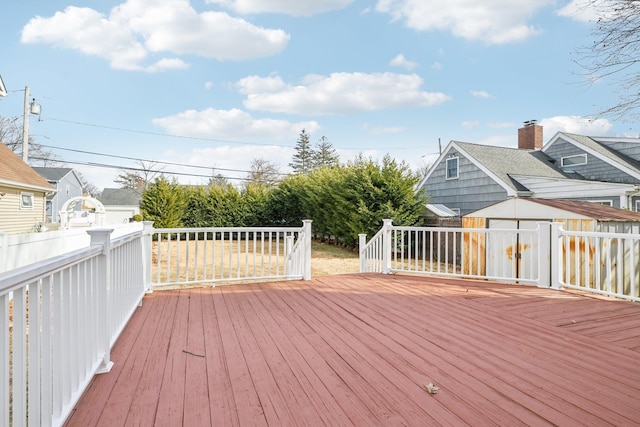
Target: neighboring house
[
  {"x": 120, "y": 204},
  {"x": 68, "y": 185},
  {"x": 467, "y": 177},
  {"x": 23, "y": 194}
]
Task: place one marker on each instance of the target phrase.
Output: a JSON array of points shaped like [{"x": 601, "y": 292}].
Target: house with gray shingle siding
[
  {"x": 68, "y": 185},
  {"x": 467, "y": 177}
]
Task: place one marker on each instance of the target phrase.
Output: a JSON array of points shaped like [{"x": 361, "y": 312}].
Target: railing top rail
[
  {"x": 601, "y": 234},
  {"x": 227, "y": 229},
  {"x": 462, "y": 230},
  {"x": 12, "y": 279}
]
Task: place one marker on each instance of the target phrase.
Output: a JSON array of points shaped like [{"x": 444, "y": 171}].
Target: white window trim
[
  {"x": 637, "y": 205},
  {"x": 22, "y": 198},
  {"x": 446, "y": 168},
  {"x": 583, "y": 155}
]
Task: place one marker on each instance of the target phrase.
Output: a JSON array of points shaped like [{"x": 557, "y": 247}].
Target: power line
[
  {"x": 167, "y": 135},
  {"x": 148, "y": 161},
  {"x": 160, "y": 171}
]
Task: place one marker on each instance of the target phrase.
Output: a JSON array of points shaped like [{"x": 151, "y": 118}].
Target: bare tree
[
  {"x": 87, "y": 187},
  {"x": 11, "y": 136},
  {"x": 614, "y": 55},
  {"x": 138, "y": 178},
  {"x": 263, "y": 171}
]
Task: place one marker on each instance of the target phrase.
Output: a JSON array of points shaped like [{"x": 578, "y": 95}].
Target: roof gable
[
  {"x": 500, "y": 163},
  {"x": 15, "y": 172},
  {"x": 601, "y": 150},
  {"x": 53, "y": 174}
]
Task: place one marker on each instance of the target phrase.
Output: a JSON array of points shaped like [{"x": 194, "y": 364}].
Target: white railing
[
  {"x": 548, "y": 256},
  {"x": 495, "y": 254},
  {"x": 59, "y": 319},
  {"x": 189, "y": 256},
  {"x": 603, "y": 263}
]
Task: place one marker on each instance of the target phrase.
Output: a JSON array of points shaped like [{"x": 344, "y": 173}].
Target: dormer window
[
  {"x": 452, "y": 168},
  {"x": 577, "y": 160}
]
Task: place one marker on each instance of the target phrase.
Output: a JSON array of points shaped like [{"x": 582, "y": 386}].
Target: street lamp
[{"x": 29, "y": 108}]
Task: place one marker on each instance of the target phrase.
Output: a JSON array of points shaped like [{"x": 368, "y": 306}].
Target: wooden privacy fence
[{"x": 547, "y": 256}]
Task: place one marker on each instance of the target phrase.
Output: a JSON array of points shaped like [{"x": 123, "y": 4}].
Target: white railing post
[
  {"x": 386, "y": 245},
  {"x": 307, "y": 249},
  {"x": 362, "y": 242},
  {"x": 4, "y": 251},
  {"x": 147, "y": 233},
  {"x": 556, "y": 257},
  {"x": 544, "y": 257},
  {"x": 102, "y": 237}
]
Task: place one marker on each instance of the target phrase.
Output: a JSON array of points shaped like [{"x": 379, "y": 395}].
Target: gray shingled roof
[
  {"x": 503, "y": 161},
  {"x": 603, "y": 150},
  {"x": 120, "y": 197},
  {"x": 53, "y": 174}
]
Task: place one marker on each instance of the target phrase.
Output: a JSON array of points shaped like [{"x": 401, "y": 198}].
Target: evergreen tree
[
  {"x": 302, "y": 161},
  {"x": 163, "y": 202},
  {"x": 325, "y": 154}
]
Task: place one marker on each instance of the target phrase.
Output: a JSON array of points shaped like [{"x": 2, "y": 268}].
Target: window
[
  {"x": 26, "y": 200},
  {"x": 602, "y": 202},
  {"x": 637, "y": 205},
  {"x": 452, "y": 168},
  {"x": 577, "y": 160}
]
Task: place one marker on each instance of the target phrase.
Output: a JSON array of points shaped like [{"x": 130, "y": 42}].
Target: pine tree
[
  {"x": 325, "y": 154},
  {"x": 302, "y": 161}
]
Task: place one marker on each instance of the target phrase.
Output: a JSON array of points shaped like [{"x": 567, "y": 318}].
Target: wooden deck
[{"x": 359, "y": 349}]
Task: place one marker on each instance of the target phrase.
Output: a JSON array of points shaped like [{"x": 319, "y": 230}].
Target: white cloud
[
  {"x": 288, "y": 7},
  {"x": 337, "y": 93},
  {"x": 575, "y": 124},
  {"x": 231, "y": 125},
  {"x": 490, "y": 21},
  {"x": 380, "y": 130},
  {"x": 502, "y": 125},
  {"x": 586, "y": 10},
  {"x": 208, "y": 85},
  {"x": 137, "y": 29},
  {"x": 401, "y": 61},
  {"x": 436, "y": 66},
  {"x": 470, "y": 124},
  {"x": 480, "y": 94}
]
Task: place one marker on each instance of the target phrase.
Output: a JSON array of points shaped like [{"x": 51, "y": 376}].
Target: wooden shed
[{"x": 588, "y": 257}]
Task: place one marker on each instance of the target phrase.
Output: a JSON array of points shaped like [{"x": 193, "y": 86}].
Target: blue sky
[{"x": 217, "y": 83}]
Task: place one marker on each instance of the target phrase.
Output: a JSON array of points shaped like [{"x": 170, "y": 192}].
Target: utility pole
[
  {"x": 29, "y": 108},
  {"x": 25, "y": 127}
]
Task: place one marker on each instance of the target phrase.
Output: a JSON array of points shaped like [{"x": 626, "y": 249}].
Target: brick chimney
[{"x": 530, "y": 136}]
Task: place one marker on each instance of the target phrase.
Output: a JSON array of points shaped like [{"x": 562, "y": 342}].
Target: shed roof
[
  {"x": 529, "y": 207},
  {"x": 15, "y": 172},
  {"x": 441, "y": 210}
]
